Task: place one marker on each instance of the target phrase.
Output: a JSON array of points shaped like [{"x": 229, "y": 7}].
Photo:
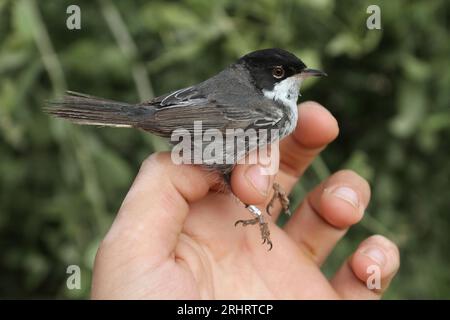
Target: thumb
[{"x": 154, "y": 210}]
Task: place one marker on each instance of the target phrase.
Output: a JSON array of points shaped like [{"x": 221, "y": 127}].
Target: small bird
[{"x": 259, "y": 91}]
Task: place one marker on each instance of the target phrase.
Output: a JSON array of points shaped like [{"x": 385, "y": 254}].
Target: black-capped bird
[{"x": 259, "y": 91}]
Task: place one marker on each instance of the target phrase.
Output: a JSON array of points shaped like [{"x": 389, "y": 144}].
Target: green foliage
[{"x": 61, "y": 185}]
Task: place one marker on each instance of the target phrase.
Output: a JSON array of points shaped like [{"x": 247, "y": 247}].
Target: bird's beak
[{"x": 312, "y": 73}]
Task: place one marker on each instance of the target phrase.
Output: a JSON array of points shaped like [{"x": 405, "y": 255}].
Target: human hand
[{"x": 173, "y": 239}]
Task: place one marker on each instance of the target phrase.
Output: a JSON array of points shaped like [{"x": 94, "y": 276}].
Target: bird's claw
[
  {"x": 265, "y": 234},
  {"x": 247, "y": 222},
  {"x": 263, "y": 226},
  {"x": 282, "y": 196}
]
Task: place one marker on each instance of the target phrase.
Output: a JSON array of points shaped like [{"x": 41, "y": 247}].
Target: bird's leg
[
  {"x": 282, "y": 196},
  {"x": 263, "y": 226}
]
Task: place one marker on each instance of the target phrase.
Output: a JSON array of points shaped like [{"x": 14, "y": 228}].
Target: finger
[
  {"x": 369, "y": 271},
  {"x": 252, "y": 183},
  {"x": 315, "y": 129},
  {"x": 154, "y": 210},
  {"x": 327, "y": 212}
]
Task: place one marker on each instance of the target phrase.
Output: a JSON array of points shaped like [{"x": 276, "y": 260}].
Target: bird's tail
[{"x": 85, "y": 109}]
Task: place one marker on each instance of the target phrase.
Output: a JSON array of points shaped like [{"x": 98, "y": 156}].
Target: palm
[{"x": 229, "y": 262}]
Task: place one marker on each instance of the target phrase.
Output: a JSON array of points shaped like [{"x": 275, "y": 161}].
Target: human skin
[{"x": 174, "y": 236}]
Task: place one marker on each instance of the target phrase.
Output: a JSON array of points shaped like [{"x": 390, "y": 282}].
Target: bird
[{"x": 257, "y": 92}]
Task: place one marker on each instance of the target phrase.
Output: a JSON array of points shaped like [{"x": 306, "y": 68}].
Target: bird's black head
[{"x": 271, "y": 66}]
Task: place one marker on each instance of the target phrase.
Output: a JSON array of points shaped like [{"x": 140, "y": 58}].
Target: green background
[{"x": 61, "y": 184}]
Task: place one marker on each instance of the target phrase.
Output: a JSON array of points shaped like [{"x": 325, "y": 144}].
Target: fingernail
[
  {"x": 347, "y": 194},
  {"x": 375, "y": 254},
  {"x": 258, "y": 179}
]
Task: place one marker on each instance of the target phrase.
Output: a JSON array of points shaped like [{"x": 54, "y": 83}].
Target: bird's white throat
[{"x": 286, "y": 92}]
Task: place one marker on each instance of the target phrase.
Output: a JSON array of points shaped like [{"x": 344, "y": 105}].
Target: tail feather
[{"x": 85, "y": 109}]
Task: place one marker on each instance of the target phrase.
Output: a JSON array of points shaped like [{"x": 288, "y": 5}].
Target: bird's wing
[
  {"x": 179, "y": 110},
  {"x": 183, "y": 97}
]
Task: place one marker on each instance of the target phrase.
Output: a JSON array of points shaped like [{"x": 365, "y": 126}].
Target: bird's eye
[{"x": 278, "y": 72}]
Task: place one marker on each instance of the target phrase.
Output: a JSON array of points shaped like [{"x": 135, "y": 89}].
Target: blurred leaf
[
  {"x": 411, "y": 104},
  {"x": 360, "y": 163}
]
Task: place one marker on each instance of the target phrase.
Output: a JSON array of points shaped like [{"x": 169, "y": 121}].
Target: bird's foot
[
  {"x": 263, "y": 226},
  {"x": 280, "y": 194},
  {"x": 247, "y": 222}
]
